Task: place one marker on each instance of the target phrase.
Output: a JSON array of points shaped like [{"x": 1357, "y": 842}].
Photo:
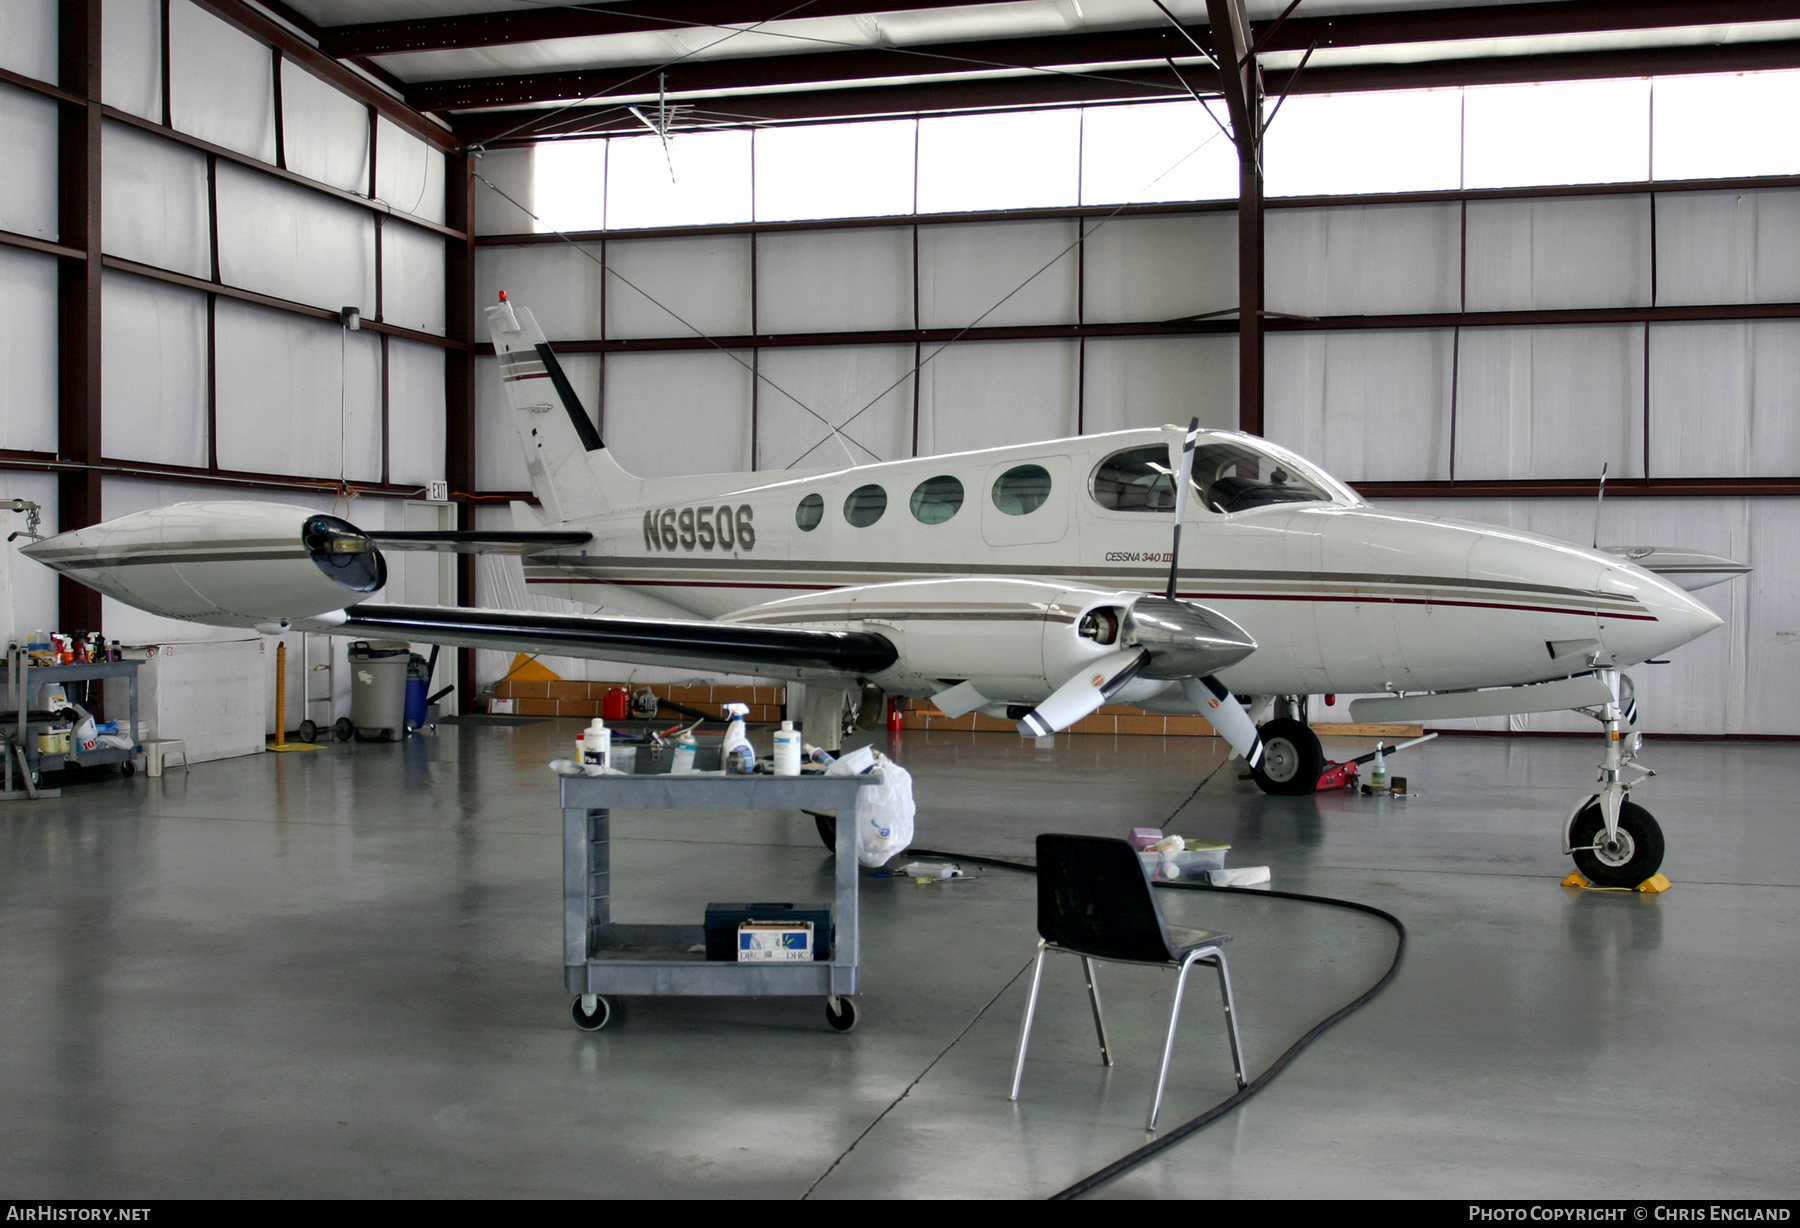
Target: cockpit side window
[
  {"x": 1136, "y": 480},
  {"x": 1232, "y": 477}
]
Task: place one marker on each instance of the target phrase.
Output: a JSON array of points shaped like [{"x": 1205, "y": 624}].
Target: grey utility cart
[
  {"x": 20, "y": 677},
  {"x": 602, "y": 957}
]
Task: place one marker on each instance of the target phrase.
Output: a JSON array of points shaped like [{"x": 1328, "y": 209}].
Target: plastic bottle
[
  {"x": 685, "y": 746},
  {"x": 595, "y": 743},
  {"x": 787, "y": 750},
  {"x": 735, "y": 737},
  {"x": 928, "y": 870},
  {"x": 1378, "y": 777},
  {"x": 818, "y": 755}
]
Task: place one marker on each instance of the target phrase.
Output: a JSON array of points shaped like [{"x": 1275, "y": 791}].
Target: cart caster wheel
[
  {"x": 308, "y": 731},
  {"x": 827, "y": 825},
  {"x": 343, "y": 730},
  {"x": 842, "y": 1016},
  {"x": 591, "y": 1023},
  {"x": 127, "y": 768}
]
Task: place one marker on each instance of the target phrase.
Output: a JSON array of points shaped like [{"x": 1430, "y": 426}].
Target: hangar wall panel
[
  {"x": 412, "y": 278},
  {"x": 560, "y": 284},
  {"x": 998, "y": 273},
  {"x": 1728, "y": 247},
  {"x": 1570, "y": 251},
  {"x": 28, "y": 38},
  {"x": 511, "y": 171},
  {"x": 677, "y": 287},
  {"x": 499, "y": 461},
  {"x": 153, "y": 204},
  {"x": 297, "y": 396},
  {"x": 28, "y": 368},
  {"x": 283, "y": 240},
  {"x": 153, "y": 371},
  {"x": 1723, "y": 399},
  {"x": 409, "y": 174},
  {"x": 1364, "y": 260},
  {"x": 871, "y": 384},
  {"x": 28, "y": 601},
  {"x": 1148, "y": 381},
  {"x": 324, "y": 134},
  {"x": 982, "y": 394},
  {"x": 416, "y": 421},
  {"x": 1160, "y": 268},
  {"x": 28, "y": 151},
  {"x": 221, "y": 83},
  {"x": 1719, "y": 684},
  {"x": 1550, "y": 402},
  {"x": 130, "y": 56},
  {"x": 1369, "y": 406},
  {"x": 679, "y": 412},
  {"x": 817, "y": 281}
]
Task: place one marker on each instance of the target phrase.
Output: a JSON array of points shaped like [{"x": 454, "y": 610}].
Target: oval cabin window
[
  {"x": 865, "y": 505},
  {"x": 809, "y": 513},
  {"x": 937, "y": 499},
  {"x": 1022, "y": 489}
]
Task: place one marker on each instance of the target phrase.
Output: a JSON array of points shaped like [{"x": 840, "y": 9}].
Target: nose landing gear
[{"x": 1615, "y": 842}]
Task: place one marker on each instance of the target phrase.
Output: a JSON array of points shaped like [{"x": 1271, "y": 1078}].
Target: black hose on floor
[{"x": 1168, "y": 1139}]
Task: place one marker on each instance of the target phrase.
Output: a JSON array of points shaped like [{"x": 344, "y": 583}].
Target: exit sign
[{"x": 437, "y": 492}]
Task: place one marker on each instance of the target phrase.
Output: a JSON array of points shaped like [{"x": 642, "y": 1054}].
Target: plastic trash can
[{"x": 378, "y": 689}]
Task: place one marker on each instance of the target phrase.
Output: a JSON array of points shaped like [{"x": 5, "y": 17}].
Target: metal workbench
[
  {"x": 20, "y": 678},
  {"x": 603, "y": 957}
]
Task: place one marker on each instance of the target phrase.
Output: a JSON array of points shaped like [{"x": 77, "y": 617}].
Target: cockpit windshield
[
  {"x": 1234, "y": 477},
  {"x": 1229, "y": 476}
]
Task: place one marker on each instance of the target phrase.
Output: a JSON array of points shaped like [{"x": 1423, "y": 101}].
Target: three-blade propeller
[{"x": 1164, "y": 637}]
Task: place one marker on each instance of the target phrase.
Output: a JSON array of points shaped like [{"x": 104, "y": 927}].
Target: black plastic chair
[{"x": 1095, "y": 901}]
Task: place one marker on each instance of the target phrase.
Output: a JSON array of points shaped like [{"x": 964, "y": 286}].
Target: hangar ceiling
[{"x": 522, "y": 70}]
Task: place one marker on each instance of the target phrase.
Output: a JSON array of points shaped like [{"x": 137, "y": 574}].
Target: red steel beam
[
  {"x": 1063, "y": 89},
  {"x": 78, "y": 295},
  {"x": 1297, "y": 33}
]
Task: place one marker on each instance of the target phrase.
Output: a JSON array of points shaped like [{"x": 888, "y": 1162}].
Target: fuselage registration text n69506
[{"x": 704, "y": 528}]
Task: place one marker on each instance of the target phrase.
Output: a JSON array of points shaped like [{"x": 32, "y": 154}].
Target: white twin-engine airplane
[{"x": 1035, "y": 582}]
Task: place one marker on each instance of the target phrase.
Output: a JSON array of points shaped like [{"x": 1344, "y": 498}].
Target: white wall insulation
[
  {"x": 28, "y": 150},
  {"x": 152, "y": 371},
  {"x": 153, "y": 206},
  {"x": 221, "y": 82},
  {"x": 28, "y": 376}
]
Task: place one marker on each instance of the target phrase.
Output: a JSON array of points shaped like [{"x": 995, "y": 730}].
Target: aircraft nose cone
[{"x": 1676, "y": 617}]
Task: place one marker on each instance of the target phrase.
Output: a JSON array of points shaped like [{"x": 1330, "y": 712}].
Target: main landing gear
[
  {"x": 1615, "y": 842},
  {"x": 1292, "y": 757}
]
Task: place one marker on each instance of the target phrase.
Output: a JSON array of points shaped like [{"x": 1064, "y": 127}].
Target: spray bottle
[
  {"x": 735, "y": 752},
  {"x": 1378, "y": 777}
]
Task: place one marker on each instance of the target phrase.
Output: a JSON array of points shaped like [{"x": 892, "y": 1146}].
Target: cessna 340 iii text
[{"x": 1035, "y": 582}]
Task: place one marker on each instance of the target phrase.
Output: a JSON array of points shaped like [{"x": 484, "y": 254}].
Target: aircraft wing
[
  {"x": 480, "y": 541},
  {"x": 796, "y": 653}
]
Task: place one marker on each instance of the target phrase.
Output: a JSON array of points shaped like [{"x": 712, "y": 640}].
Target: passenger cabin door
[{"x": 1026, "y": 502}]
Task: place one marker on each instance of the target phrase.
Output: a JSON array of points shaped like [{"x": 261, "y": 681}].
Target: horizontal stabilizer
[
  {"x": 480, "y": 541},
  {"x": 790, "y": 652},
  {"x": 1581, "y": 691}
]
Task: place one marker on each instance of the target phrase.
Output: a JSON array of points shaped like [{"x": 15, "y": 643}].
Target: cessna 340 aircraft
[{"x": 1036, "y": 582}]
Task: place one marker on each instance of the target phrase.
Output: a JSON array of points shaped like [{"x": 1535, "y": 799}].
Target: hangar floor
[{"x": 337, "y": 974}]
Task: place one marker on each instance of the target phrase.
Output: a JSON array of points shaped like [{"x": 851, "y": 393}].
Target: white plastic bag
[{"x": 884, "y": 812}]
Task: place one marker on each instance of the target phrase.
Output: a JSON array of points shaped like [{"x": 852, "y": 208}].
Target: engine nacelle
[
  {"x": 1021, "y": 637},
  {"x": 227, "y": 564}
]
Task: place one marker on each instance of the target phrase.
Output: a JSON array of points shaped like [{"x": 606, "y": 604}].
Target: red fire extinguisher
[{"x": 896, "y": 715}]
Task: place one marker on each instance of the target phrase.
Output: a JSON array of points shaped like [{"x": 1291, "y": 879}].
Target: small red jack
[{"x": 1338, "y": 776}]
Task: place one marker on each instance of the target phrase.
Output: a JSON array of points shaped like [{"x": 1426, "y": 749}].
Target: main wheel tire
[
  {"x": 843, "y": 1018},
  {"x": 591, "y": 1023},
  {"x": 1636, "y": 855},
  {"x": 1292, "y": 759},
  {"x": 308, "y": 731},
  {"x": 827, "y": 825},
  {"x": 342, "y": 729}
]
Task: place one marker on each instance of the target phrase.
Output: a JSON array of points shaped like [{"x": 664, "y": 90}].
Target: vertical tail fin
[{"x": 572, "y": 473}]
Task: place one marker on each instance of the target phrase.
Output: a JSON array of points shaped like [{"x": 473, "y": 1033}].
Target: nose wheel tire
[
  {"x": 592, "y": 1021},
  {"x": 1634, "y": 856},
  {"x": 1292, "y": 759}
]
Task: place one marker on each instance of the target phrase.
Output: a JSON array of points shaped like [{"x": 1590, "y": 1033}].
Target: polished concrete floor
[{"x": 338, "y": 974}]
